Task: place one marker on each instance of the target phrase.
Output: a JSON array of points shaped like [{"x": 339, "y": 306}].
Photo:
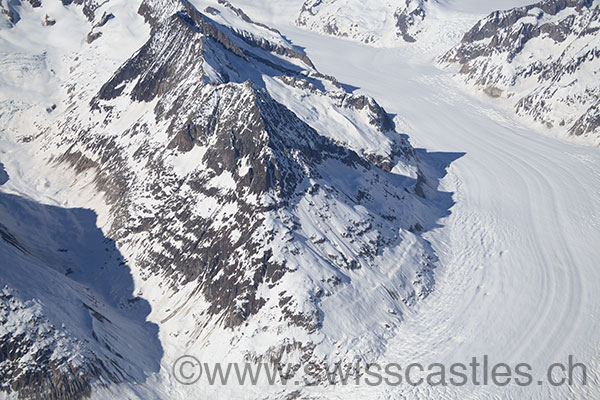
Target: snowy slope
[
  {"x": 544, "y": 58},
  {"x": 69, "y": 317}
]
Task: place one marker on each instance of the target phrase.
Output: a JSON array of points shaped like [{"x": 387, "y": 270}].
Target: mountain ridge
[
  {"x": 240, "y": 180},
  {"x": 559, "y": 90}
]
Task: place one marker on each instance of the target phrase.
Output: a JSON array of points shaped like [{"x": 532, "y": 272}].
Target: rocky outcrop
[
  {"x": 89, "y": 7},
  {"x": 10, "y": 8},
  {"x": 409, "y": 18}
]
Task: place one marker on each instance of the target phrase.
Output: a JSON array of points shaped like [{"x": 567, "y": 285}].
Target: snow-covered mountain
[
  {"x": 544, "y": 58},
  {"x": 265, "y": 212},
  {"x": 379, "y": 23},
  {"x": 68, "y": 315},
  {"x": 179, "y": 177}
]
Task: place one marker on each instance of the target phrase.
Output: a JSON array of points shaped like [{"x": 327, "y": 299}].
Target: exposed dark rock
[
  {"x": 588, "y": 122},
  {"x": 49, "y": 21},
  {"x": 93, "y": 36},
  {"x": 3, "y": 175},
  {"x": 105, "y": 18},
  {"x": 89, "y": 7},
  {"x": 407, "y": 19}
]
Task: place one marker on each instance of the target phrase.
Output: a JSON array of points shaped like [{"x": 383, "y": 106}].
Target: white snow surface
[{"x": 518, "y": 273}]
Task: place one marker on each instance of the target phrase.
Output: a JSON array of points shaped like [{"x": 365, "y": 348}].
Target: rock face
[
  {"x": 9, "y": 9},
  {"x": 371, "y": 22},
  {"x": 238, "y": 182},
  {"x": 89, "y": 7},
  {"x": 255, "y": 196},
  {"x": 544, "y": 57}
]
